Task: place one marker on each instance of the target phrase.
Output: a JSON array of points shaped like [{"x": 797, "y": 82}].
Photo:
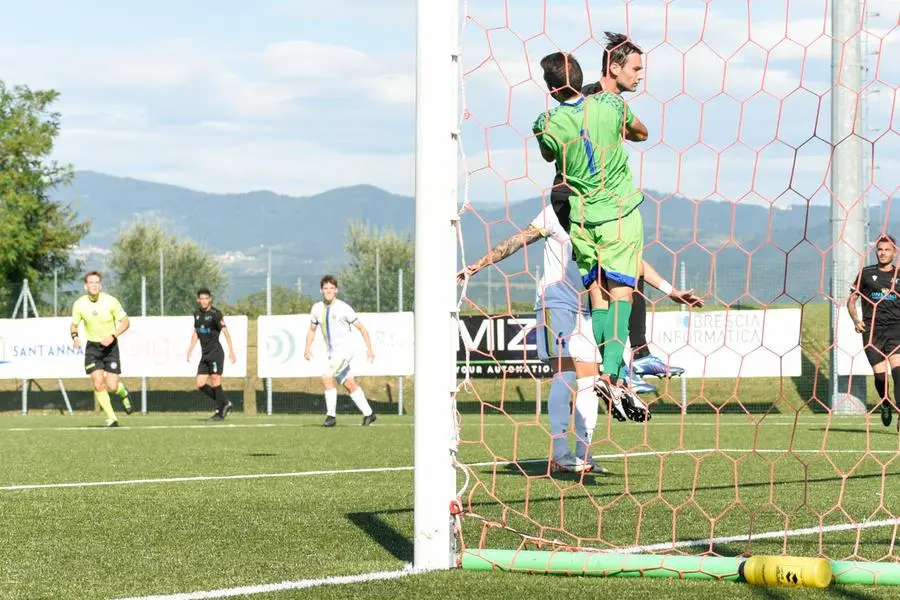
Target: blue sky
[{"x": 300, "y": 97}]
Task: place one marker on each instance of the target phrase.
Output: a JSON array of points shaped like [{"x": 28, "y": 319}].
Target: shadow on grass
[
  {"x": 873, "y": 431},
  {"x": 539, "y": 468},
  {"x": 381, "y": 532}
]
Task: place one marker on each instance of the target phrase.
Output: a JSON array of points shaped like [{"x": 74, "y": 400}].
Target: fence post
[
  {"x": 269, "y": 313},
  {"x": 400, "y": 309},
  {"x": 143, "y": 314}
]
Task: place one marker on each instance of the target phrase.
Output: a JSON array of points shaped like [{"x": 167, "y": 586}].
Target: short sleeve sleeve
[
  {"x": 856, "y": 286},
  {"x": 220, "y": 320},
  {"x": 629, "y": 116},
  {"x": 117, "y": 310},
  {"x": 313, "y": 319},
  {"x": 349, "y": 314},
  {"x": 543, "y": 136},
  {"x": 549, "y": 226},
  {"x": 76, "y": 313}
]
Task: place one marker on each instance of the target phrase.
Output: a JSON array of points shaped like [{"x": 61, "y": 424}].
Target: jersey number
[{"x": 589, "y": 149}]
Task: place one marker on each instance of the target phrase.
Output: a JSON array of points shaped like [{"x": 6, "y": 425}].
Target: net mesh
[{"x": 745, "y": 454}]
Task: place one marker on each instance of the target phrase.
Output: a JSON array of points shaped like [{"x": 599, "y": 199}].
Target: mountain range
[{"x": 758, "y": 252}]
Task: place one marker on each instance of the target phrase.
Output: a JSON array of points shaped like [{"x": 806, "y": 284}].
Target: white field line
[
  {"x": 749, "y": 537},
  {"x": 773, "y": 421},
  {"x": 387, "y": 575},
  {"x": 264, "y": 588},
  {"x": 84, "y": 484}
]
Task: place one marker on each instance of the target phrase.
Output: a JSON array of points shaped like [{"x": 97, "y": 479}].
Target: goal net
[{"x": 771, "y": 441}]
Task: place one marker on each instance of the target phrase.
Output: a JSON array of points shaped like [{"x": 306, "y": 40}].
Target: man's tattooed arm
[{"x": 504, "y": 249}]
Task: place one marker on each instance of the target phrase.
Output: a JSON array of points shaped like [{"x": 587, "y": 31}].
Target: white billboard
[
  {"x": 734, "y": 343},
  {"x": 851, "y": 359},
  {"x": 41, "y": 348},
  {"x": 282, "y": 338}
]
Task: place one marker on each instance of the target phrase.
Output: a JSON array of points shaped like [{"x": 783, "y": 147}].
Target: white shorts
[
  {"x": 337, "y": 365},
  {"x": 565, "y": 333}
]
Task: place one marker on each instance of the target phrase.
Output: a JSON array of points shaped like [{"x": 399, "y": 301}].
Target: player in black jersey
[
  {"x": 209, "y": 323},
  {"x": 877, "y": 287}
]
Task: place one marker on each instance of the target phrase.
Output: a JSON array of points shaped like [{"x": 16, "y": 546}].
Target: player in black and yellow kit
[
  {"x": 209, "y": 322},
  {"x": 104, "y": 321},
  {"x": 878, "y": 287}
]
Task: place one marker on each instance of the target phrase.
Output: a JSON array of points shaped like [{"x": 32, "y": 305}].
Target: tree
[
  {"x": 186, "y": 268},
  {"x": 36, "y": 233},
  {"x": 391, "y": 252},
  {"x": 285, "y": 301}
]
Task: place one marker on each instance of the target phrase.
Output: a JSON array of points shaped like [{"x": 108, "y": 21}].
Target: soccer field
[{"x": 167, "y": 505}]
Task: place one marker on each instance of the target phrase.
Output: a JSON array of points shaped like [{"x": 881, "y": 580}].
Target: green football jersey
[{"x": 586, "y": 138}]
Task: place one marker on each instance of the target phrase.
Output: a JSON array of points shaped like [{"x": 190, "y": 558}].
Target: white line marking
[
  {"x": 772, "y": 421},
  {"x": 81, "y": 484},
  {"x": 301, "y": 584},
  {"x": 766, "y": 535}
]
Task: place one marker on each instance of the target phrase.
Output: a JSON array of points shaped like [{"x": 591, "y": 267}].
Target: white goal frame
[{"x": 436, "y": 325}]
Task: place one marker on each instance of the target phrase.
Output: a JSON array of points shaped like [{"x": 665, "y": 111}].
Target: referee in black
[
  {"x": 209, "y": 323},
  {"x": 877, "y": 286}
]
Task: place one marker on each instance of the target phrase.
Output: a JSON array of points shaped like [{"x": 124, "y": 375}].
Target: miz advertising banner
[
  {"x": 736, "y": 343},
  {"x": 499, "y": 346},
  {"x": 282, "y": 339},
  {"x": 40, "y": 348}
]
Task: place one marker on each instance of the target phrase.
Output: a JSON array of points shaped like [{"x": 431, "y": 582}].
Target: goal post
[
  {"x": 749, "y": 189},
  {"x": 436, "y": 330}
]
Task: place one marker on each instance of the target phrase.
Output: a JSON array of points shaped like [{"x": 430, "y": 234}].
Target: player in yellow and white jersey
[{"x": 104, "y": 321}]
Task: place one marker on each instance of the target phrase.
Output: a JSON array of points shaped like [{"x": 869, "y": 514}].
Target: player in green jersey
[
  {"x": 585, "y": 137},
  {"x": 104, "y": 321}
]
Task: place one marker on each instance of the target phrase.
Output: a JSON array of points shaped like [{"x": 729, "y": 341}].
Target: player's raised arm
[
  {"x": 651, "y": 276},
  {"x": 635, "y": 130},
  {"x": 504, "y": 249}
]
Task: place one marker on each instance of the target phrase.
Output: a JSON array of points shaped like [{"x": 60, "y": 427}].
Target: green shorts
[{"x": 616, "y": 248}]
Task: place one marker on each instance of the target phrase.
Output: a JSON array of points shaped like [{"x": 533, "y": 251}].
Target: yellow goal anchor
[{"x": 787, "y": 571}]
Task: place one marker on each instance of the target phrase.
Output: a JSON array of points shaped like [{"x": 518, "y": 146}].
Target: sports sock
[
  {"x": 359, "y": 398},
  {"x": 207, "y": 389},
  {"x": 331, "y": 402},
  {"x": 615, "y": 333},
  {"x": 559, "y": 411},
  {"x": 637, "y": 323},
  {"x": 598, "y": 322},
  {"x": 881, "y": 386},
  {"x": 122, "y": 393},
  {"x": 895, "y": 374},
  {"x": 586, "y": 406},
  {"x": 219, "y": 397},
  {"x": 102, "y": 398}
]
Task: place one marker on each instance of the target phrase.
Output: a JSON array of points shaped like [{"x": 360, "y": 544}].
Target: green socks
[
  {"x": 123, "y": 394},
  {"x": 615, "y": 334},
  {"x": 598, "y": 322},
  {"x": 102, "y": 398}
]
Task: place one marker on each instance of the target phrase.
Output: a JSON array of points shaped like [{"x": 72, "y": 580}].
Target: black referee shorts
[
  {"x": 100, "y": 358},
  {"x": 884, "y": 342},
  {"x": 212, "y": 363}
]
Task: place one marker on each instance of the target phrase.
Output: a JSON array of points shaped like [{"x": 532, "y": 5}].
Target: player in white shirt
[
  {"x": 565, "y": 339},
  {"x": 337, "y": 321}
]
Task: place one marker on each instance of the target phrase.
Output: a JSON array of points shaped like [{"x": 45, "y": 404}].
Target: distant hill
[{"x": 306, "y": 233}]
